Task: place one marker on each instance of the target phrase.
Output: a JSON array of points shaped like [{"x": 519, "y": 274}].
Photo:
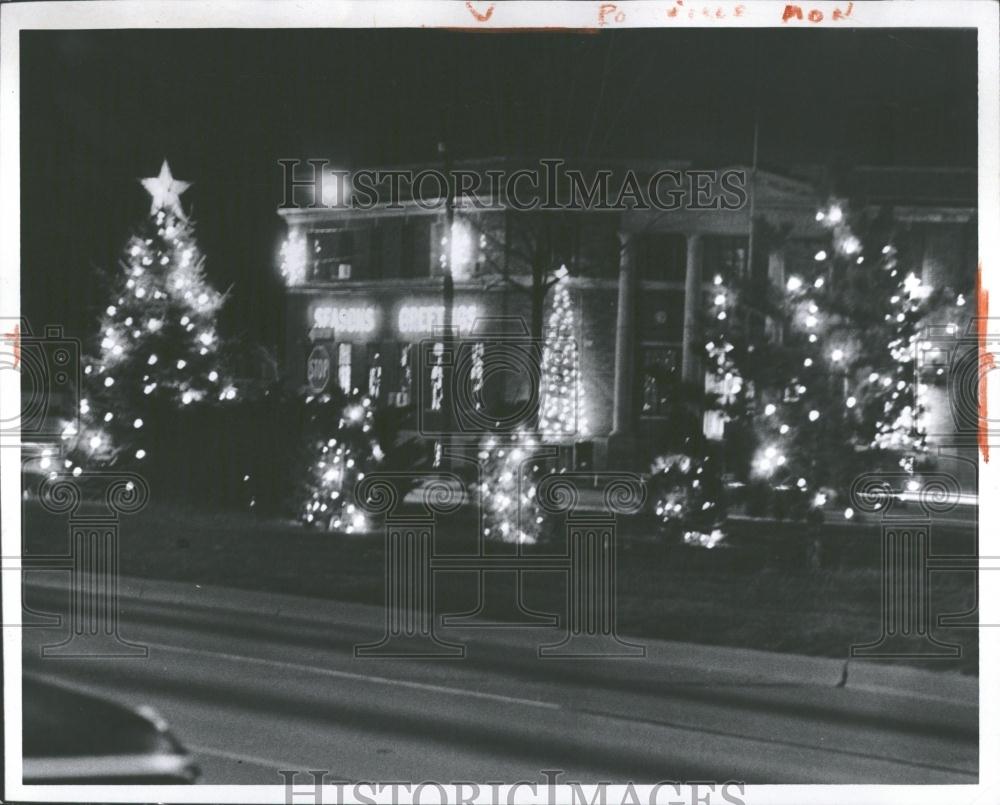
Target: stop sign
[{"x": 318, "y": 369}]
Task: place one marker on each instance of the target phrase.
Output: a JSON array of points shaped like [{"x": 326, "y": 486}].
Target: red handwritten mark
[
  {"x": 710, "y": 12},
  {"x": 839, "y": 15},
  {"x": 987, "y": 361},
  {"x": 609, "y": 10},
  {"x": 480, "y": 16},
  {"x": 14, "y": 337},
  {"x": 814, "y": 14}
]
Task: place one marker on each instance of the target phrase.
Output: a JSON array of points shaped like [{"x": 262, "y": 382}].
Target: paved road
[{"x": 255, "y": 683}]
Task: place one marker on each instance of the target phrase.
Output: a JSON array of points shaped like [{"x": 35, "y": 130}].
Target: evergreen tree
[
  {"x": 827, "y": 382},
  {"x": 509, "y": 469},
  {"x": 342, "y": 448},
  {"x": 562, "y": 409},
  {"x": 158, "y": 344}
]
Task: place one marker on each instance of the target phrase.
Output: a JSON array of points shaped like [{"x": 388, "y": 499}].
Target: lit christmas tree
[
  {"x": 342, "y": 449},
  {"x": 833, "y": 389},
  {"x": 562, "y": 407},
  {"x": 509, "y": 469},
  {"x": 158, "y": 340},
  {"x": 509, "y": 464},
  {"x": 688, "y": 501}
]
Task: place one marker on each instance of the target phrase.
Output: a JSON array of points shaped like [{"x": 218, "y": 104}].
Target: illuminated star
[{"x": 166, "y": 191}]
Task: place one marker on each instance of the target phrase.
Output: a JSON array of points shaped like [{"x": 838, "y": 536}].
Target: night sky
[{"x": 100, "y": 109}]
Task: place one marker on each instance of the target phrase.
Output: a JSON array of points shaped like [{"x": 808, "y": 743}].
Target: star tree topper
[{"x": 166, "y": 191}]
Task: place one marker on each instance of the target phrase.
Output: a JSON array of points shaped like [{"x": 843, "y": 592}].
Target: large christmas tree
[
  {"x": 823, "y": 374},
  {"x": 158, "y": 347},
  {"x": 562, "y": 409}
]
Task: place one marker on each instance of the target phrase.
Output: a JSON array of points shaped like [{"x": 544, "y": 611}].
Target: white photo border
[{"x": 486, "y": 15}]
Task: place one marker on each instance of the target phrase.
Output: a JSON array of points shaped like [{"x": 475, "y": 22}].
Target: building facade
[{"x": 366, "y": 298}]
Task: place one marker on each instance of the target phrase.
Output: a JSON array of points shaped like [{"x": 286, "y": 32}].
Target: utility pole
[{"x": 448, "y": 301}]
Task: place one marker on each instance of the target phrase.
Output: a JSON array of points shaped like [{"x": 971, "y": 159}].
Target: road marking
[{"x": 381, "y": 680}]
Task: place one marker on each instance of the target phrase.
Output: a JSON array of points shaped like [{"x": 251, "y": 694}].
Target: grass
[{"x": 762, "y": 598}]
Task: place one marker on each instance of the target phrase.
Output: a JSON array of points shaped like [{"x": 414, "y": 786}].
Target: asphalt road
[{"x": 257, "y": 683}]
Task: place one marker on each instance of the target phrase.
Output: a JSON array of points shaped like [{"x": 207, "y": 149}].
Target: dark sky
[{"x": 102, "y": 108}]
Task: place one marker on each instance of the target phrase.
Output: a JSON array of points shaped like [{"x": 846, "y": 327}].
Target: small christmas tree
[
  {"x": 562, "y": 406},
  {"x": 342, "y": 449},
  {"x": 689, "y": 499},
  {"x": 508, "y": 472},
  {"x": 158, "y": 344}
]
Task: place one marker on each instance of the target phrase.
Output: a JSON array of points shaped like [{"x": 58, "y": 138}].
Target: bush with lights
[
  {"x": 509, "y": 470},
  {"x": 158, "y": 347},
  {"x": 829, "y": 387},
  {"x": 689, "y": 499},
  {"x": 341, "y": 448}
]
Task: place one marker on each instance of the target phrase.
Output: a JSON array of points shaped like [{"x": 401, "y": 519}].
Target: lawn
[{"x": 762, "y": 595}]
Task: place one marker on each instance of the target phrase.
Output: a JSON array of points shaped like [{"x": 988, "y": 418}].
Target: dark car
[{"x": 75, "y": 737}]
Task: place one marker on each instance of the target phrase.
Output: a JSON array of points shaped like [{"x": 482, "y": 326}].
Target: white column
[{"x": 691, "y": 370}]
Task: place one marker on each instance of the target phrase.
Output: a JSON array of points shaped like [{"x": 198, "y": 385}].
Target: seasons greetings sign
[{"x": 356, "y": 321}]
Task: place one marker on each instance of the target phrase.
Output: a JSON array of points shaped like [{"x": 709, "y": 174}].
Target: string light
[
  {"x": 562, "y": 405},
  {"x": 339, "y": 463},
  {"x": 145, "y": 300}
]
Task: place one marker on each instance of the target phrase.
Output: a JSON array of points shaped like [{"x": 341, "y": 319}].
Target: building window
[
  {"x": 415, "y": 256},
  {"x": 333, "y": 253},
  {"x": 374, "y": 371},
  {"x": 659, "y": 380},
  {"x": 464, "y": 248},
  {"x": 344, "y": 367},
  {"x": 437, "y": 377},
  {"x": 405, "y": 375},
  {"x": 726, "y": 256},
  {"x": 476, "y": 374}
]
